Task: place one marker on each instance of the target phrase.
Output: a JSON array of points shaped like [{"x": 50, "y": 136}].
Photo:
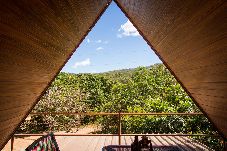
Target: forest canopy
[{"x": 143, "y": 89}]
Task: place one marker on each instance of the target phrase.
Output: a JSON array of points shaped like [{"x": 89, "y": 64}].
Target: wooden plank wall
[
  {"x": 37, "y": 37},
  {"x": 190, "y": 37}
]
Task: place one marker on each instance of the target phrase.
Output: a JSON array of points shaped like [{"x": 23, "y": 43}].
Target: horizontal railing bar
[
  {"x": 74, "y": 134},
  {"x": 65, "y": 134},
  {"x": 161, "y": 113},
  {"x": 72, "y": 113},
  {"x": 104, "y": 113},
  {"x": 170, "y": 135}
]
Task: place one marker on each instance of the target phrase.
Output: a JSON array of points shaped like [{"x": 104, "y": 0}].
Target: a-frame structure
[{"x": 37, "y": 37}]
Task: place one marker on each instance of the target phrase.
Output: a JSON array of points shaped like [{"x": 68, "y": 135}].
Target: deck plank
[
  {"x": 183, "y": 142},
  {"x": 155, "y": 141},
  {"x": 93, "y": 143},
  {"x": 108, "y": 140},
  {"x": 115, "y": 140},
  {"x": 199, "y": 145},
  {"x": 179, "y": 144},
  {"x": 100, "y": 143}
]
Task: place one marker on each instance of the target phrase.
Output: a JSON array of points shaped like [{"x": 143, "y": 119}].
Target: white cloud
[
  {"x": 101, "y": 41},
  {"x": 88, "y": 41},
  {"x": 98, "y": 41},
  {"x": 85, "y": 62},
  {"x": 127, "y": 29},
  {"x": 99, "y": 48}
]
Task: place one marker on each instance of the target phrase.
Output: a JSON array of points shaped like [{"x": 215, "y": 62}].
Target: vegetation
[{"x": 144, "y": 89}]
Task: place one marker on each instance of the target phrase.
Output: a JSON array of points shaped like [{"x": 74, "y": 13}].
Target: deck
[{"x": 97, "y": 143}]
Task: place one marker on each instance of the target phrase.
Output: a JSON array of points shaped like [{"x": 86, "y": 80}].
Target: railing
[{"x": 119, "y": 134}]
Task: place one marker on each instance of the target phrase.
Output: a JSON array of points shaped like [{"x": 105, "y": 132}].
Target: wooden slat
[
  {"x": 11, "y": 113},
  {"x": 80, "y": 143},
  {"x": 108, "y": 141},
  {"x": 89, "y": 141},
  {"x": 101, "y": 143},
  {"x": 211, "y": 93},
  {"x": 98, "y": 146},
  {"x": 163, "y": 142},
  {"x": 12, "y": 121},
  {"x": 114, "y": 140},
  {"x": 179, "y": 144},
  {"x": 195, "y": 144},
  {"x": 168, "y": 141},
  {"x": 156, "y": 141},
  {"x": 200, "y": 56},
  {"x": 187, "y": 145},
  {"x": 92, "y": 145}
]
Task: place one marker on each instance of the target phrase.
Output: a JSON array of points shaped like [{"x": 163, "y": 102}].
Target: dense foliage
[{"x": 144, "y": 89}]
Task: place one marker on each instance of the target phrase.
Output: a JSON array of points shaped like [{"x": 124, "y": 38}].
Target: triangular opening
[{"x": 117, "y": 82}]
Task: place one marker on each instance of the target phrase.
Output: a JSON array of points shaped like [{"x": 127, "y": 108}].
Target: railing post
[
  {"x": 119, "y": 128},
  {"x": 12, "y": 141}
]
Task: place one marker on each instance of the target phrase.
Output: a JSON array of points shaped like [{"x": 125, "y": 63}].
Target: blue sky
[{"x": 112, "y": 44}]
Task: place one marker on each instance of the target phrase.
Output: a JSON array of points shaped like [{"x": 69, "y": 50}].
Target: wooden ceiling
[{"x": 37, "y": 37}]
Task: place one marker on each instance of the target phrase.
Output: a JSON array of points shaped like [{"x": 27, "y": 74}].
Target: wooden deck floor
[{"x": 96, "y": 143}]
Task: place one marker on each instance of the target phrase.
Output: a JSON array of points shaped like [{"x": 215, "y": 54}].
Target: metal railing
[{"x": 119, "y": 133}]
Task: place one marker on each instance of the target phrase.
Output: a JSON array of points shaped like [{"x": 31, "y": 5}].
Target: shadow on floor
[{"x": 128, "y": 148}]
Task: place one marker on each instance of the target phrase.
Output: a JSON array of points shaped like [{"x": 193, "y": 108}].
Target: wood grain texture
[
  {"x": 190, "y": 37},
  {"x": 37, "y": 37}
]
